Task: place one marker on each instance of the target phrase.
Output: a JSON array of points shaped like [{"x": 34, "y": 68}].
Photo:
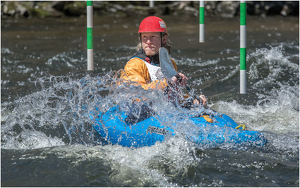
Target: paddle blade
[{"x": 166, "y": 64}]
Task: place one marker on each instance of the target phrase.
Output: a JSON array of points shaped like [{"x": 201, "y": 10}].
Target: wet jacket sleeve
[{"x": 137, "y": 72}]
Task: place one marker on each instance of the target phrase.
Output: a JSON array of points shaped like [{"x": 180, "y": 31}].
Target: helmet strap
[{"x": 161, "y": 39}]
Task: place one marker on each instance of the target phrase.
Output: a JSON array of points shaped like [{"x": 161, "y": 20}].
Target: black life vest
[{"x": 152, "y": 59}]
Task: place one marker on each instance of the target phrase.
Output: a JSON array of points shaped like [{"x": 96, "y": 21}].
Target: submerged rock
[
  {"x": 227, "y": 9},
  {"x": 76, "y": 8},
  {"x": 16, "y": 9},
  {"x": 29, "y": 9}
]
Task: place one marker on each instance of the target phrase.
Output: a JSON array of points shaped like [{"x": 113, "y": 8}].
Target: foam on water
[
  {"x": 274, "y": 76},
  {"x": 152, "y": 166},
  {"x": 277, "y": 113},
  {"x": 31, "y": 140},
  {"x": 271, "y": 66},
  {"x": 48, "y": 111}
]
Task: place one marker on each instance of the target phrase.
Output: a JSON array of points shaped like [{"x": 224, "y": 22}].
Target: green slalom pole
[
  {"x": 243, "y": 40},
  {"x": 90, "y": 51},
  {"x": 201, "y": 21}
]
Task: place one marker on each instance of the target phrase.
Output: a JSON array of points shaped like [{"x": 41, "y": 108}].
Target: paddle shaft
[
  {"x": 169, "y": 70},
  {"x": 179, "y": 78}
]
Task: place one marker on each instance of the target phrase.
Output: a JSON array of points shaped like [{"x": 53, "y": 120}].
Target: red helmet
[{"x": 153, "y": 24}]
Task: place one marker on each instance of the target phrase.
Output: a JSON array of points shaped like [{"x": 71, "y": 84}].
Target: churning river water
[{"x": 44, "y": 60}]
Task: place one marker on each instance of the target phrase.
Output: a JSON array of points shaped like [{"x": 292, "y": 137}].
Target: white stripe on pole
[
  {"x": 151, "y": 3},
  {"x": 90, "y": 59},
  {"x": 243, "y": 37},
  {"x": 89, "y": 16},
  {"x": 202, "y": 35},
  {"x": 242, "y": 81},
  {"x": 202, "y": 3}
]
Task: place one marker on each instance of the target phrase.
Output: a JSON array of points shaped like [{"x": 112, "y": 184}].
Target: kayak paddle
[{"x": 168, "y": 69}]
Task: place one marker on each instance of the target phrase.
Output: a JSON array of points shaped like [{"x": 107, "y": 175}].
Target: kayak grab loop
[
  {"x": 241, "y": 125},
  {"x": 207, "y": 118}
]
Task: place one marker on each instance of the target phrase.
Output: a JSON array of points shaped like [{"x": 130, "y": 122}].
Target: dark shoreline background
[{"x": 226, "y": 9}]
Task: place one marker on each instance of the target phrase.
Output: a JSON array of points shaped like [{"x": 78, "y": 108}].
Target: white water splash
[{"x": 271, "y": 66}]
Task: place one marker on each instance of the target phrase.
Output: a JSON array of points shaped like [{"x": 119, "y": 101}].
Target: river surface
[{"x": 47, "y": 139}]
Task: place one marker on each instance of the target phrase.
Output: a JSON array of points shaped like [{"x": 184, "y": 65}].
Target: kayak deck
[{"x": 112, "y": 126}]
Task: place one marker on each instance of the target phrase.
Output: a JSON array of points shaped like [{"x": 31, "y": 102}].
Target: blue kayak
[{"x": 213, "y": 130}]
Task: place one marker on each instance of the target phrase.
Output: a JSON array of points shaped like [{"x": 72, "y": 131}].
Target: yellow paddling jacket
[
  {"x": 137, "y": 71},
  {"x": 140, "y": 72}
]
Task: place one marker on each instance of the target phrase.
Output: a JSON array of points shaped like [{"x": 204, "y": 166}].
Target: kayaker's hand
[
  {"x": 203, "y": 98},
  {"x": 183, "y": 82}
]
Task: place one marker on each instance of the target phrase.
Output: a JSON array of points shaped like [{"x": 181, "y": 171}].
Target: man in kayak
[{"x": 144, "y": 67}]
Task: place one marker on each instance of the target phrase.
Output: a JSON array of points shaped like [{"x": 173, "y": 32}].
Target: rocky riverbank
[{"x": 43, "y": 9}]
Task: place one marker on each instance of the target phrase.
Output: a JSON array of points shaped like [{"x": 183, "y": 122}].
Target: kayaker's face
[{"x": 151, "y": 42}]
